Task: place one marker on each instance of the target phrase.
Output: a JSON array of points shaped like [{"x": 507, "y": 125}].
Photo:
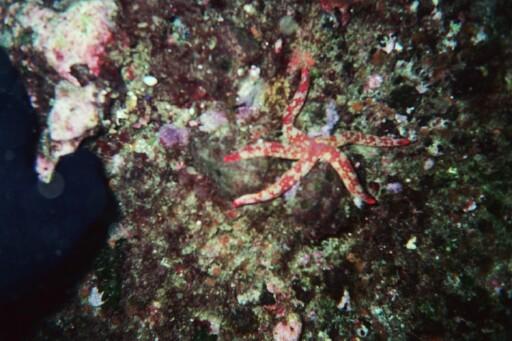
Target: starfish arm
[
  {"x": 296, "y": 104},
  {"x": 346, "y": 172},
  {"x": 260, "y": 149},
  {"x": 284, "y": 183},
  {"x": 350, "y": 137}
]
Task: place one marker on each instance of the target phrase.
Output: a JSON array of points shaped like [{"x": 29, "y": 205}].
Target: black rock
[{"x": 49, "y": 233}]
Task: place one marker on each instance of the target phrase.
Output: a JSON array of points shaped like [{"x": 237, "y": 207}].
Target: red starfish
[{"x": 308, "y": 150}]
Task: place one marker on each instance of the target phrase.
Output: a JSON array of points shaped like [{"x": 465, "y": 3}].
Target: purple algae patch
[
  {"x": 394, "y": 187},
  {"x": 245, "y": 113},
  {"x": 171, "y": 136}
]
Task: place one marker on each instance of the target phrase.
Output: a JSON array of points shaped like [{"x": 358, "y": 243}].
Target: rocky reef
[{"x": 170, "y": 87}]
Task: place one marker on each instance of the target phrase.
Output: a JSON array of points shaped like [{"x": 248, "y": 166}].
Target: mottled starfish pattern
[{"x": 308, "y": 150}]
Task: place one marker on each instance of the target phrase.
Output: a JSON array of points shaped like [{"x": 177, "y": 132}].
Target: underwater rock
[{"x": 76, "y": 36}]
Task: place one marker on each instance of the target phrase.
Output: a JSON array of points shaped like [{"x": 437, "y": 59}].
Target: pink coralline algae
[
  {"x": 171, "y": 136},
  {"x": 373, "y": 82},
  {"x": 308, "y": 150},
  {"x": 76, "y": 36},
  {"x": 288, "y": 330}
]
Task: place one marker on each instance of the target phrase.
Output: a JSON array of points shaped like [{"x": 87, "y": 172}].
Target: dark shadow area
[{"x": 49, "y": 233}]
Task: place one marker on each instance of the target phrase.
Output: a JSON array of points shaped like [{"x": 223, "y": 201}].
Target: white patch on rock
[
  {"x": 95, "y": 298},
  {"x": 74, "y": 112},
  {"x": 74, "y": 116}
]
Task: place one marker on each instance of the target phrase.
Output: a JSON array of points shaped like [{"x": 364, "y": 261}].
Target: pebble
[{"x": 150, "y": 80}]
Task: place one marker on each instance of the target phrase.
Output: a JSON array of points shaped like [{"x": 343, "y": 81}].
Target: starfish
[{"x": 308, "y": 150}]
